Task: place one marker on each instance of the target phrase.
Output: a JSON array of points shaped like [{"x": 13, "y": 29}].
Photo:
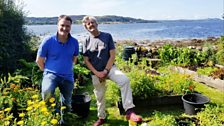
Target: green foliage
[
  {"x": 206, "y": 71},
  {"x": 212, "y": 115},
  {"x": 5, "y": 82},
  {"x": 220, "y": 52},
  {"x": 113, "y": 94},
  {"x": 5, "y": 102},
  {"x": 30, "y": 70},
  {"x": 142, "y": 85},
  {"x": 14, "y": 39},
  {"x": 78, "y": 69},
  {"x": 175, "y": 84},
  {"x": 184, "y": 56},
  {"x": 160, "y": 119},
  {"x": 81, "y": 73}
]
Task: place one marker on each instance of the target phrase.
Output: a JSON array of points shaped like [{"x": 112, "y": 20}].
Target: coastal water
[{"x": 181, "y": 29}]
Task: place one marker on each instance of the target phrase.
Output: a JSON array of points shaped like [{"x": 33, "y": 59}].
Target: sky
[{"x": 143, "y": 9}]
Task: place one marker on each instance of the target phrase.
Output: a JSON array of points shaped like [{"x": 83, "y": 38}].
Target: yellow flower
[
  {"x": 34, "y": 96},
  {"x": 46, "y": 113},
  {"x": 43, "y": 123},
  {"x": 15, "y": 90},
  {"x": 36, "y": 101},
  {"x": 53, "y": 105},
  {"x": 44, "y": 109},
  {"x": 52, "y": 100},
  {"x": 54, "y": 121},
  {"x": 21, "y": 115},
  {"x": 42, "y": 103},
  {"x": 7, "y": 109},
  {"x": 29, "y": 102},
  {"x": 36, "y": 106},
  {"x": 6, "y": 123},
  {"x": 12, "y": 86},
  {"x": 29, "y": 108},
  {"x": 20, "y": 123},
  {"x": 63, "y": 107}
]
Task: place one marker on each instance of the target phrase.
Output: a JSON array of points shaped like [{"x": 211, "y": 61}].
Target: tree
[{"x": 13, "y": 38}]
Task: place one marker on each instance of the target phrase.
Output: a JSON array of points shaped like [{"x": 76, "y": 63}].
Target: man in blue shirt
[
  {"x": 55, "y": 56},
  {"x": 99, "y": 56}
]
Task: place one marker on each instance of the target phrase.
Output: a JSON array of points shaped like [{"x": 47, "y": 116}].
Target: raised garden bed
[
  {"x": 216, "y": 83},
  {"x": 154, "y": 101},
  {"x": 160, "y": 100}
]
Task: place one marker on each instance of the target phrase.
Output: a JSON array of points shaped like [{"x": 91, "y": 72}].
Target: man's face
[
  {"x": 64, "y": 27},
  {"x": 91, "y": 25}
]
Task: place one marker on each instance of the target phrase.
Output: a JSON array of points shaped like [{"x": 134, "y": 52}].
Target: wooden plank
[
  {"x": 220, "y": 66},
  {"x": 216, "y": 83}
]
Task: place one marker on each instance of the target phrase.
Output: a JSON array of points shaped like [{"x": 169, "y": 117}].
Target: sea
[{"x": 161, "y": 30}]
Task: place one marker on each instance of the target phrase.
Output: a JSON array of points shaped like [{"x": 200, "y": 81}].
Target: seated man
[{"x": 99, "y": 56}]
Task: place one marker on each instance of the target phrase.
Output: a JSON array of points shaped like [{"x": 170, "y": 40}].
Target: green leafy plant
[
  {"x": 7, "y": 81},
  {"x": 113, "y": 94},
  {"x": 142, "y": 86},
  {"x": 175, "y": 84},
  {"x": 185, "y": 56},
  {"x": 220, "y": 52},
  {"x": 159, "y": 119},
  {"x": 212, "y": 115},
  {"x": 206, "y": 70}
]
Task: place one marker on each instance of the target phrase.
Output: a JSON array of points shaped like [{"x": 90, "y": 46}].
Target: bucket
[
  {"x": 193, "y": 102},
  {"x": 128, "y": 51},
  {"x": 81, "y": 104}
]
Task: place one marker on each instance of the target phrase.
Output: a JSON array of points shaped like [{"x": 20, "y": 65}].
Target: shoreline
[{"x": 176, "y": 42}]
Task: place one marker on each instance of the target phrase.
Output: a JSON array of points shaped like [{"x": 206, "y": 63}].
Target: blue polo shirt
[{"x": 59, "y": 56}]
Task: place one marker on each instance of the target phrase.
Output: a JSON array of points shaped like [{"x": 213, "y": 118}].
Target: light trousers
[{"x": 122, "y": 81}]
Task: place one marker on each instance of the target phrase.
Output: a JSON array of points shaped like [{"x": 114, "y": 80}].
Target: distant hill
[{"x": 77, "y": 19}]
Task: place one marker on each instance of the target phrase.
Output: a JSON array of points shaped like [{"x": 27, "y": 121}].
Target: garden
[
  {"x": 160, "y": 75},
  {"x": 157, "y": 90}
]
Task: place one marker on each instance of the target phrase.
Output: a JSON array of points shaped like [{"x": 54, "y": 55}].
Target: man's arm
[
  {"x": 40, "y": 62},
  {"x": 89, "y": 65},
  {"x": 75, "y": 59},
  {"x": 111, "y": 60}
]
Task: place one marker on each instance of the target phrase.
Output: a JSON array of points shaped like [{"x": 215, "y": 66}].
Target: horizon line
[{"x": 221, "y": 18}]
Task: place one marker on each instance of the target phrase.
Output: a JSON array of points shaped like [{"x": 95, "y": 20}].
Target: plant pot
[
  {"x": 127, "y": 52},
  {"x": 81, "y": 104},
  {"x": 194, "y": 102}
]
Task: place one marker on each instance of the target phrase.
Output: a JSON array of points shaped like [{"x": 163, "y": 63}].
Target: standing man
[
  {"x": 55, "y": 57},
  {"x": 99, "y": 56}
]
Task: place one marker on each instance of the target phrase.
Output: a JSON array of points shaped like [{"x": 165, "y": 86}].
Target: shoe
[
  {"x": 133, "y": 117},
  {"x": 99, "y": 122}
]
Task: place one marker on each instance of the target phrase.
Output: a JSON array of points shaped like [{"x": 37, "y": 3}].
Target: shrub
[
  {"x": 142, "y": 86},
  {"x": 14, "y": 39}
]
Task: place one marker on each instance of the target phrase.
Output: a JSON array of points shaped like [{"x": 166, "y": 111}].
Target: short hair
[
  {"x": 86, "y": 18},
  {"x": 68, "y": 18}
]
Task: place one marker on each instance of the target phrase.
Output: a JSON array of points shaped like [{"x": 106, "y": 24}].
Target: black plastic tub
[
  {"x": 81, "y": 104},
  {"x": 194, "y": 102}
]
